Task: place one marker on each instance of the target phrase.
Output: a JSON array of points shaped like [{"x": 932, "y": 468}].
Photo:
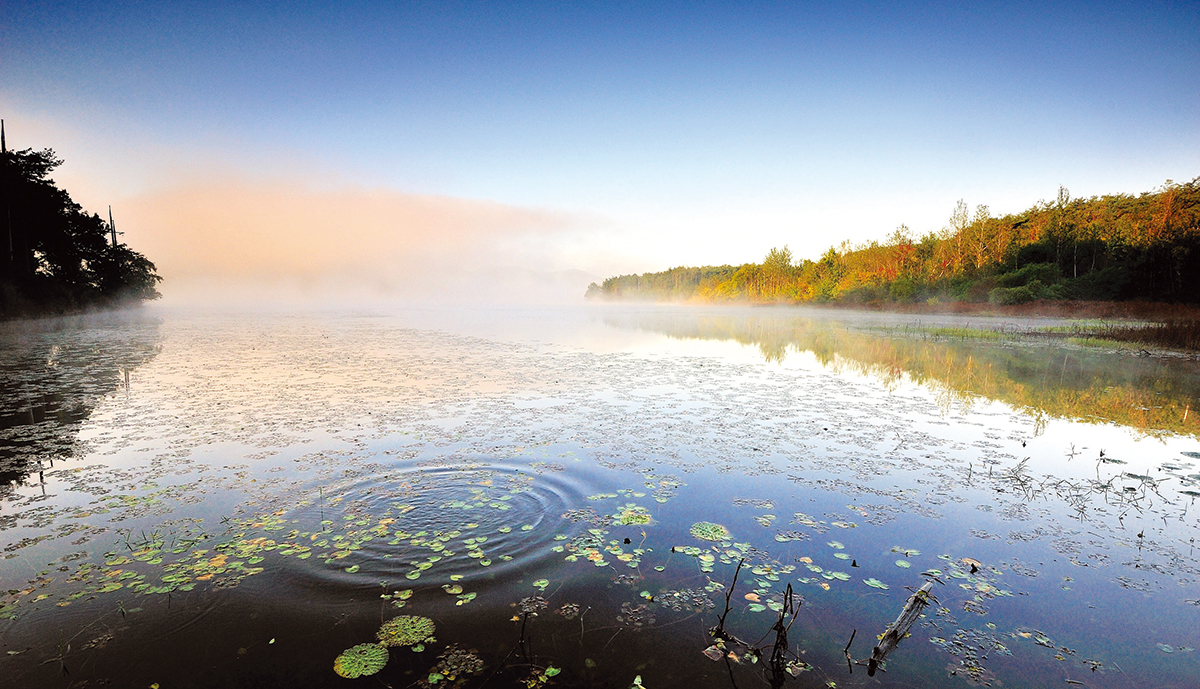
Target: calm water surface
[{"x": 235, "y": 500}]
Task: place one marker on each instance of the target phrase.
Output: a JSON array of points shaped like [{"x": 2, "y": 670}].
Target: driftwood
[{"x": 899, "y": 629}]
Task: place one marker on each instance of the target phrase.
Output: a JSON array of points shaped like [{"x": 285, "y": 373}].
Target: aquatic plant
[
  {"x": 632, "y": 514},
  {"x": 532, "y": 605},
  {"x": 361, "y": 660},
  {"x": 453, "y": 664},
  {"x": 708, "y": 531},
  {"x": 406, "y": 630}
]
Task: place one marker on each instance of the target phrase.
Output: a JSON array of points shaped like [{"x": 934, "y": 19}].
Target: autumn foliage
[{"x": 1103, "y": 248}]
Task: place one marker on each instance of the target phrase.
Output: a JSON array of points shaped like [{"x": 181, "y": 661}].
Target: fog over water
[
  {"x": 374, "y": 434},
  {"x": 541, "y": 483}
]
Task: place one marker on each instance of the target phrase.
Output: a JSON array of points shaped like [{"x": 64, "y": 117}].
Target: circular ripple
[{"x": 427, "y": 525}]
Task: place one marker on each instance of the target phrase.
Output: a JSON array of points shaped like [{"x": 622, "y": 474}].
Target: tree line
[
  {"x": 1103, "y": 248},
  {"x": 54, "y": 256}
]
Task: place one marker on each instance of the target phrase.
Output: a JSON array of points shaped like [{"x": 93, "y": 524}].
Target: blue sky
[{"x": 670, "y": 132}]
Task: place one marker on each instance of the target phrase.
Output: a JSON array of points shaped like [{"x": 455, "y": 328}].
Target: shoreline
[{"x": 1156, "y": 312}]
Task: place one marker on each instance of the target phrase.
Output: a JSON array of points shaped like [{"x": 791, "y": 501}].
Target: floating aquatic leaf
[
  {"x": 756, "y": 607},
  {"x": 708, "y": 531},
  {"x": 360, "y": 661},
  {"x": 452, "y": 589},
  {"x": 875, "y": 583},
  {"x": 631, "y": 514},
  {"x": 903, "y": 563},
  {"x": 406, "y": 630},
  {"x": 795, "y": 667},
  {"x": 836, "y": 544},
  {"x": 842, "y": 556},
  {"x": 713, "y": 653},
  {"x": 541, "y": 584}
]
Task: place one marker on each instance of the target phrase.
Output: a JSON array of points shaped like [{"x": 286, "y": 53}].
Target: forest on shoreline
[
  {"x": 1109, "y": 248},
  {"x": 56, "y": 258}
]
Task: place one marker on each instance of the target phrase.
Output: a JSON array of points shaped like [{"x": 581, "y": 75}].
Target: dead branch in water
[{"x": 894, "y": 632}]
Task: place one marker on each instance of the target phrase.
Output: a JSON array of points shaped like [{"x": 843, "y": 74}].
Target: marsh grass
[{"x": 1171, "y": 334}]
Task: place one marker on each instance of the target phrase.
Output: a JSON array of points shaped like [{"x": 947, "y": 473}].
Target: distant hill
[
  {"x": 54, "y": 256},
  {"x": 1103, "y": 248}
]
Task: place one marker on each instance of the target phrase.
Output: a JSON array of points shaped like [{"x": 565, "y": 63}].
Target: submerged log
[{"x": 899, "y": 629}]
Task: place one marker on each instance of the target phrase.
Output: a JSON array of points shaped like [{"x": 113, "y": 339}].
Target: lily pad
[
  {"x": 708, "y": 531},
  {"x": 361, "y": 660},
  {"x": 875, "y": 583},
  {"x": 631, "y": 514},
  {"x": 406, "y": 630}
]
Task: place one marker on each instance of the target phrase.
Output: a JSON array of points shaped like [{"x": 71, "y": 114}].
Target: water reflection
[
  {"x": 53, "y": 372},
  {"x": 1003, "y": 362},
  {"x": 275, "y": 491}
]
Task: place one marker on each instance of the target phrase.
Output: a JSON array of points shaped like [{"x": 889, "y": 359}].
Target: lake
[{"x": 576, "y": 497}]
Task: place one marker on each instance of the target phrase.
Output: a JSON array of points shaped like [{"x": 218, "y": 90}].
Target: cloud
[{"x": 220, "y": 238}]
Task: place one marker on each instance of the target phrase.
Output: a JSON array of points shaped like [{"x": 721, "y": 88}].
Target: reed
[{"x": 1181, "y": 334}]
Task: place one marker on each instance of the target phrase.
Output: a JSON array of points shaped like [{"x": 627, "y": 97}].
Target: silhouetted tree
[{"x": 57, "y": 257}]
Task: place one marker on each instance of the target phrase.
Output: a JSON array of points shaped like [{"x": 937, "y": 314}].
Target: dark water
[{"x": 261, "y": 493}]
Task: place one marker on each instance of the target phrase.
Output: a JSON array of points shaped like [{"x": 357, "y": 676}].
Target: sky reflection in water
[{"x": 267, "y": 490}]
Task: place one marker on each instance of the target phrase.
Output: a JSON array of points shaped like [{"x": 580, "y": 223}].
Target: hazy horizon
[{"x": 518, "y": 152}]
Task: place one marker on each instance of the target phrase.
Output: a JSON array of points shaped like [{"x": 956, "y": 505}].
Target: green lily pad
[
  {"x": 708, "y": 531},
  {"x": 406, "y": 630},
  {"x": 360, "y": 661}
]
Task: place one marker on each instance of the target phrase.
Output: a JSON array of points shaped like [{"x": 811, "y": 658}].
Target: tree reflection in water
[
  {"x": 1045, "y": 377},
  {"x": 53, "y": 372}
]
